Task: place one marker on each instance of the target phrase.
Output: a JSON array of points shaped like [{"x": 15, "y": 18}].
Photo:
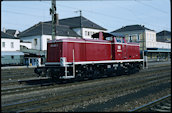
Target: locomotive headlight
[{"x": 63, "y": 61}]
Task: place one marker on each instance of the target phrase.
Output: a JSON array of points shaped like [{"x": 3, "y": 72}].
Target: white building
[
  {"x": 25, "y": 44},
  {"x": 147, "y": 39},
  {"x": 10, "y": 50},
  {"x": 40, "y": 34}
]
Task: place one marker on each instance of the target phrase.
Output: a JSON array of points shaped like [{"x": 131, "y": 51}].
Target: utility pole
[
  {"x": 80, "y": 21},
  {"x": 53, "y": 13},
  {"x": 144, "y": 36}
]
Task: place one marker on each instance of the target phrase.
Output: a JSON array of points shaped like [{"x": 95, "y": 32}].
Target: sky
[{"x": 110, "y": 14}]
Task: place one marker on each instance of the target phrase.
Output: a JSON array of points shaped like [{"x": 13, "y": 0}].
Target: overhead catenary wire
[
  {"x": 155, "y": 8},
  {"x": 93, "y": 12},
  {"x": 114, "y": 17}
]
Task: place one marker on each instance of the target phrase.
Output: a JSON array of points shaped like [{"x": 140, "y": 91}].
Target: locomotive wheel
[{"x": 79, "y": 77}]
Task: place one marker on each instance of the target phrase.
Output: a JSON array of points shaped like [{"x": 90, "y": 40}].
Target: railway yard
[{"x": 148, "y": 90}]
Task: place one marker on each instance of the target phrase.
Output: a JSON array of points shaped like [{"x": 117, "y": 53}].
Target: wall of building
[
  {"x": 35, "y": 41},
  {"x": 135, "y": 36},
  {"x": 8, "y": 44},
  {"x": 150, "y": 39},
  {"x": 26, "y": 44},
  {"x": 12, "y": 60},
  {"x": 163, "y": 45},
  {"x": 87, "y": 32}
]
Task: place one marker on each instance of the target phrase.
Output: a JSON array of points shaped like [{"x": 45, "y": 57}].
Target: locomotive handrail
[{"x": 107, "y": 61}]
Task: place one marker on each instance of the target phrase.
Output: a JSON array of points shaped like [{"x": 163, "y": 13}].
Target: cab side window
[
  {"x": 118, "y": 40},
  {"x": 123, "y": 40}
]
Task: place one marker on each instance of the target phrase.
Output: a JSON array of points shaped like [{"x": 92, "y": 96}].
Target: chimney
[{"x": 4, "y": 30}]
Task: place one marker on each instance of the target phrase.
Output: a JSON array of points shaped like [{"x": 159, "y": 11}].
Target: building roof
[
  {"x": 11, "y": 31},
  {"x": 46, "y": 29},
  {"x": 74, "y": 22},
  {"x": 132, "y": 28},
  {"x": 164, "y": 33},
  {"x": 6, "y": 35}
]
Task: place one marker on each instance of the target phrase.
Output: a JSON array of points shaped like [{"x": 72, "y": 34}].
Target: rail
[{"x": 145, "y": 106}]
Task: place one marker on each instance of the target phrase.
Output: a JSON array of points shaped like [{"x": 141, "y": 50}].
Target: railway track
[
  {"x": 162, "y": 104},
  {"x": 88, "y": 93},
  {"x": 47, "y": 97},
  {"x": 47, "y": 83},
  {"x": 11, "y": 78}
]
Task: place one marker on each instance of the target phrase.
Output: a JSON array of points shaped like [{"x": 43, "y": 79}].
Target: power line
[
  {"x": 114, "y": 17},
  {"x": 157, "y": 9},
  {"x": 89, "y": 11}
]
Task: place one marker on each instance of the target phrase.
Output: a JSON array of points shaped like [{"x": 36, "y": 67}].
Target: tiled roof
[
  {"x": 74, "y": 22},
  {"x": 6, "y": 35},
  {"x": 46, "y": 29},
  {"x": 164, "y": 33},
  {"x": 11, "y": 31},
  {"x": 132, "y": 28}
]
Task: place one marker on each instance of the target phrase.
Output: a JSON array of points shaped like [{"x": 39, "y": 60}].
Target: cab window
[
  {"x": 123, "y": 40},
  {"x": 109, "y": 38},
  {"x": 118, "y": 40}
]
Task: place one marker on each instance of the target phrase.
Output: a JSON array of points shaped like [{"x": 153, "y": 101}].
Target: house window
[
  {"x": 91, "y": 33},
  {"x": 85, "y": 33},
  {"x": 35, "y": 42},
  {"x": 3, "y": 44},
  {"x": 12, "y": 57},
  {"x": 88, "y": 33},
  {"x": 138, "y": 38},
  {"x": 31, "y": 61},
  {"x": 118, "y": 40},
  {"x": 130, "y": 39},
  {"x": 12, "y": 44}
]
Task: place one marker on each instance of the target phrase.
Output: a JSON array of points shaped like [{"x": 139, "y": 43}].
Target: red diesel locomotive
[{"x": 108, "y": 55}]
